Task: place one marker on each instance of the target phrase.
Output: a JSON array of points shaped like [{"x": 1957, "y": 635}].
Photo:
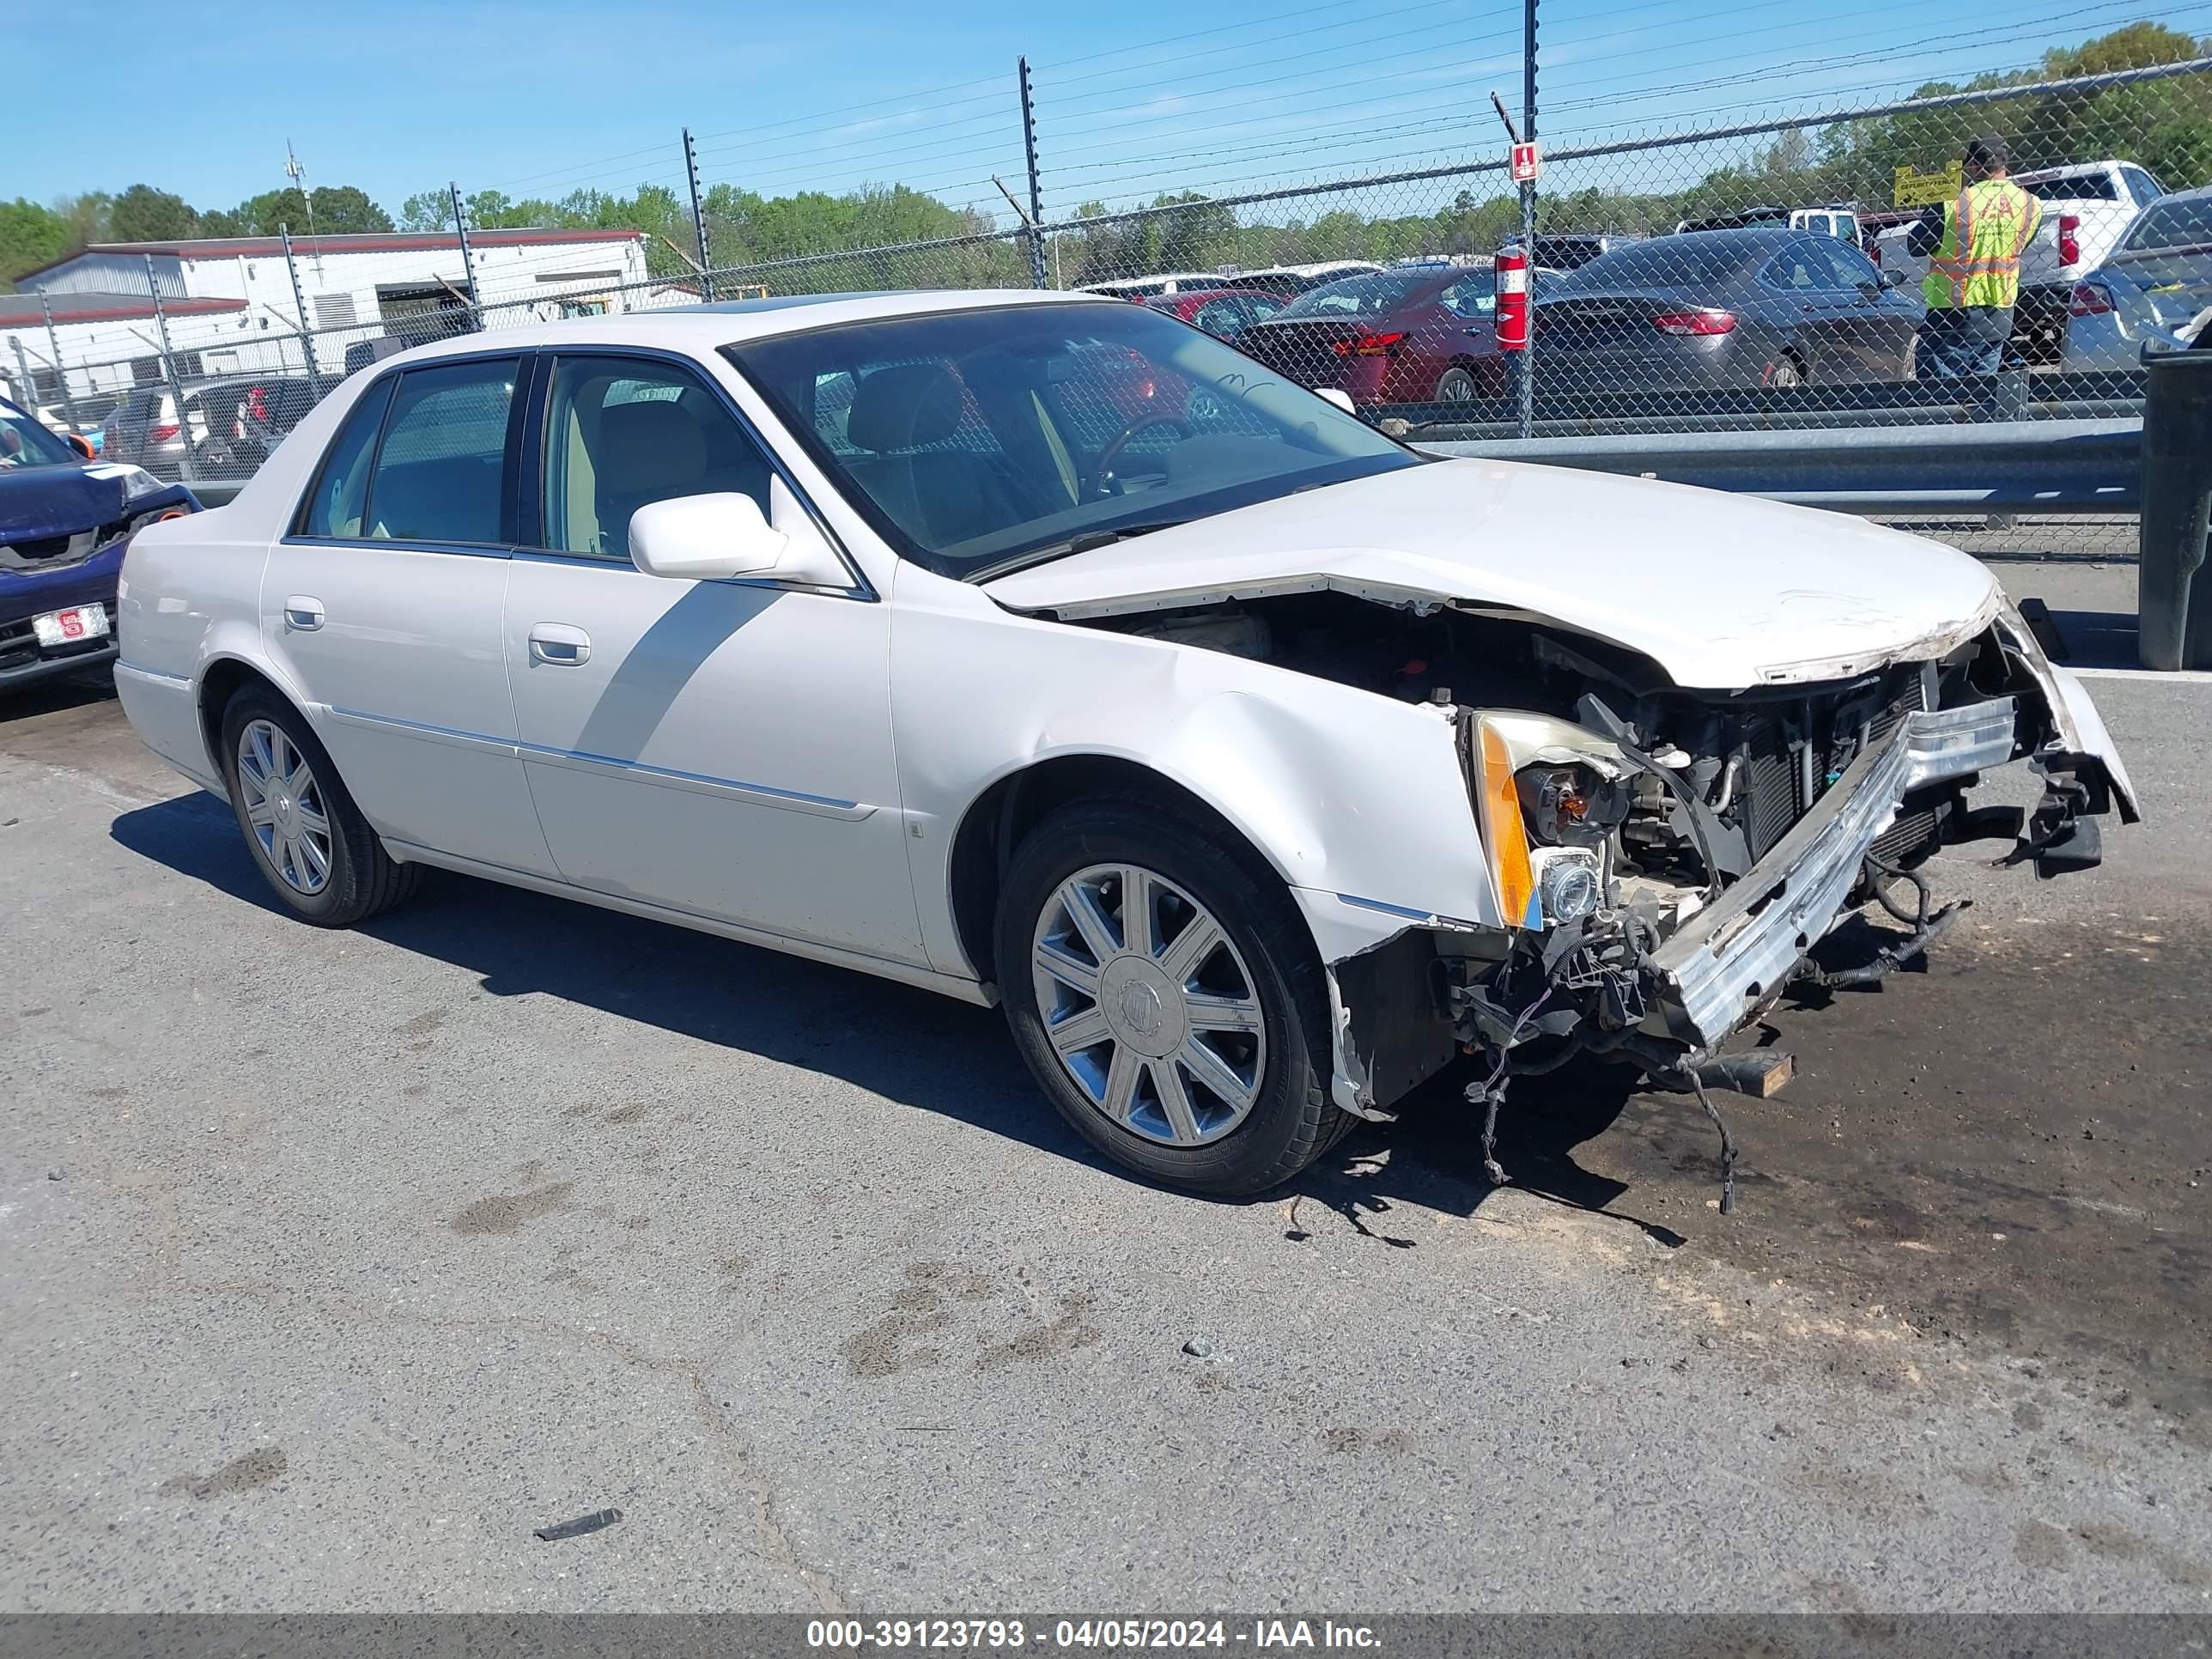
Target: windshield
[
  {"x": 978, "y": 442},
  {"x": 2173, "y": 224},
  {"x": 24, "y": 442},
  {"x": 1370, "y": 295}
]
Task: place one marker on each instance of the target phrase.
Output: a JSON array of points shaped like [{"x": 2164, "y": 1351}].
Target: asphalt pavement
[{"x": 332, "y": 1266}]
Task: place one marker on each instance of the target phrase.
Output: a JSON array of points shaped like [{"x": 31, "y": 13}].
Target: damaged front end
[
  {"x": 1667, "y": 859},
  {"x": 1650, "y": 865}
]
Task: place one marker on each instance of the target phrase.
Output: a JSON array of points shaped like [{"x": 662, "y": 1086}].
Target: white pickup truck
[{"x": 2086, "y": 209}]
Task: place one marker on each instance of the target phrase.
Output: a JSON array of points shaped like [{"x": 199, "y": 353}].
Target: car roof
[{"x": 702, "y": 329}]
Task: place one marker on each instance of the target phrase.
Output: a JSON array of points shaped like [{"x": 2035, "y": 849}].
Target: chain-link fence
[{"x": 1725, "y": 274}]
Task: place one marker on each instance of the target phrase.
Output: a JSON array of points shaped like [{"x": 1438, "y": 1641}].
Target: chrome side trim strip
[
  {"x": 122, "y": 667},
  {"x": 700, "y": 783},
  {"x": 459, "y": 739}
]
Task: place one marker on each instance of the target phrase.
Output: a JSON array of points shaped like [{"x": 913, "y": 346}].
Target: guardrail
[
  {"x": 1563, "y": 412},
  {"x": 2043, "y": 466}
]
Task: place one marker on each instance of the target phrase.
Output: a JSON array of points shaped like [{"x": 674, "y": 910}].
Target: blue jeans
[{"x": 1964, "y": 343}]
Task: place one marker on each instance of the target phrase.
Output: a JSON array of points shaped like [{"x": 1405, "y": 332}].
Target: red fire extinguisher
[{"x": 1510, "y": 273}]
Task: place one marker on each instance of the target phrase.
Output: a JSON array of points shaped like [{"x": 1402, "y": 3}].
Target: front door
[
  {"x": 386, "y": 607},
  {"x": 721, "y": 748}
]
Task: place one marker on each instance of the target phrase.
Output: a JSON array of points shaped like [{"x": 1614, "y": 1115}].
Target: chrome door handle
[
  {"x": 559, "y": 645},
  {"x": 303, "y": 611}
]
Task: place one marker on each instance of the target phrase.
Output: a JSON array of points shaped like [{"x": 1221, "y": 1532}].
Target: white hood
[{"x": 1723, "y": 592}]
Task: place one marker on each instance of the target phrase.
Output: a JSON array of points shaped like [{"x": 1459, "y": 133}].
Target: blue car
[{"x": 65, "y": 521}]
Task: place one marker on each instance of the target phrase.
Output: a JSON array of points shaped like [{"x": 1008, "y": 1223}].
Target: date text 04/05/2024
[{"x": 1261, "y": 1635}]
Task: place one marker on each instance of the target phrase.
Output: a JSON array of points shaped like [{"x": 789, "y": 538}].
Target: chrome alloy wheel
[
  {"x": 284, "y": 807},
  {"x": 1148, "y": 1005}
]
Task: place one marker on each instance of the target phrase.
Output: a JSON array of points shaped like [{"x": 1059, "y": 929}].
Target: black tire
[
  {"x": 1787, "y": 372},
  {"x": 1293, "y": 1121},
  {"x": 1457, "y": 385},
  {"x": 363, "y": 878}
]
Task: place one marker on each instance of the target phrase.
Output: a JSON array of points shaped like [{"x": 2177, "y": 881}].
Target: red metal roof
[
  {"x": 17, "y": 310},
  {"x": 403, "y": 241}
]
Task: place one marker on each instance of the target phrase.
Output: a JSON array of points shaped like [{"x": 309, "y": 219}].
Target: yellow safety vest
[{"x": 1984, "y": 233}]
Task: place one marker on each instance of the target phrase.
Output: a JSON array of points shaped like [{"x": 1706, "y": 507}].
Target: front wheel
[
  {"x": 1166, "y": 997},
  {"x": 313, "y": 847}
]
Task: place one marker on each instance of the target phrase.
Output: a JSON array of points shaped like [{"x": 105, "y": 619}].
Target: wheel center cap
[
  {"x": 1143, "y": 1007},
  {"x": 284, "y": 811}
]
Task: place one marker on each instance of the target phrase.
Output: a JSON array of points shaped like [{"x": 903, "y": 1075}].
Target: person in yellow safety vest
[{"x": 1974, "y": 247}]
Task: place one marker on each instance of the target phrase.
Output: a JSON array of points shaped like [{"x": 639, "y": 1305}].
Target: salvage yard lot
[{"x": 332, "y": 1265}]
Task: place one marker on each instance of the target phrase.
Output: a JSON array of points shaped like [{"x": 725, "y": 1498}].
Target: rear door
[
  {"x": 1887, "y": 319},
  {"x": 384, "y": 606},
  {"x": 1831, "y": 329}
]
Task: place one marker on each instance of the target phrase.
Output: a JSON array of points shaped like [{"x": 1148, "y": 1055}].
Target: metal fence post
[
  {"x": 1037, "y": 277},
  {"x": 300, "y": 310},
  {"x": 61, "y": 373},
  {"x": 698, "y": 219},
  {"x": 468, "y": 259},
  {"x": 187, "y": 468},
  {"x": 1528, "y": 413}
]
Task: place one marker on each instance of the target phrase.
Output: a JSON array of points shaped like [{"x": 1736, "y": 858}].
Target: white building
[{"x": 229, "y": 305}]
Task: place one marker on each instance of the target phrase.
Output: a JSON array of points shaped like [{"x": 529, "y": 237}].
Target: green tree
[
  {"x": 30, "y": 236},
  {"x": 144, "y": 214},
  {"x": 338, "y": 209}
]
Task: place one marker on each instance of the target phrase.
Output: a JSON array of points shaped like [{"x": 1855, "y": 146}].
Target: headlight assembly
[{"x": 1570, "y": 806}]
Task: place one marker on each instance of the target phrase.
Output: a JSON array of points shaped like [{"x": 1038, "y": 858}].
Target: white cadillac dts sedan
[{"x": 1042, "y": 650}]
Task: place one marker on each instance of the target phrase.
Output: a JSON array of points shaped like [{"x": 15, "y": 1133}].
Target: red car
[
  {"x": 1414, "y": 334},
  {"x": 1224, "y": 312}
]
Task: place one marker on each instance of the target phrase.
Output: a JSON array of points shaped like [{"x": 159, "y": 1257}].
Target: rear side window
[
  {"x": 1802, "y": 267},
  {"x": 342, "y": 490},
  {"x": 440, "y": 473},
  {"x": 2082, "y": 187}
]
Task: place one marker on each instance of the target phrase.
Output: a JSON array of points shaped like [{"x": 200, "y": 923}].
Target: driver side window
[{"x": 622, "y": 432}]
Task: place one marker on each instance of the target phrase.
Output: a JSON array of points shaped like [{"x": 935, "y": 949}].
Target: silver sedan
[{"x": 2157, "y": 282}]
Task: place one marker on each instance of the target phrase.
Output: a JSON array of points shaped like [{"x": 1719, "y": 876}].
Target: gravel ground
[{"x": 332, "y": 1266}]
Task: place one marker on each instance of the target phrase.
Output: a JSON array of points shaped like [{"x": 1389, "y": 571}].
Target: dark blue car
[{"x": 64, "y": 521}]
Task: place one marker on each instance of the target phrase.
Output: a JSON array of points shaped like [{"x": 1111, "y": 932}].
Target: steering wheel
[{"x": 1119, "y": 441}]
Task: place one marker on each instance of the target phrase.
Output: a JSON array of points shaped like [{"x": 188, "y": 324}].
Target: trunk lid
[{"x": 1305, "y": 351}]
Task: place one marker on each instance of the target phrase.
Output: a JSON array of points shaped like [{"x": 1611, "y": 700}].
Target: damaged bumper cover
[{"x": 1733, "y": 957}]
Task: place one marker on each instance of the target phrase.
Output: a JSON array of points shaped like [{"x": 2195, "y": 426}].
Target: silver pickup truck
[{"x": 2085, "y": 209}]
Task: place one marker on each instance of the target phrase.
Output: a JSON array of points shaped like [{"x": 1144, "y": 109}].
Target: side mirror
[
  {"x": 1336, "y": 395},
  {"x": 705, "y": 538},
  {"x": 80, "y": 443}
]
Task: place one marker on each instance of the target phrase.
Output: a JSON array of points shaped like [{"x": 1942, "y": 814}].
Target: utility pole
[
  {"x": 698, "y": 218},
  {"x": 1037, "y": 277},
  {"x": 1528, "y": 211},
  {"x": 186, "y": 467},
  {"x": 300, "y": 310},
  {"x": 468, "y": 259},
  {"x": 298, "y": 175},
  {"x": 54, "y": 345}
]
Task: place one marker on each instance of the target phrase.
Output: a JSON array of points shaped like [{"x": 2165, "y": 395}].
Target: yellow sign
[{"x": 1927, "y": 189}]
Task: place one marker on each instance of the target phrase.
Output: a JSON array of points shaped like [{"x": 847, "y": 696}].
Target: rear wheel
[
  {"x": 313, "y": 847},
  {"x": 1166, "y": 998},
  {"x": 1786, "y": 371},
  {"x": 1455, "y": 386}
]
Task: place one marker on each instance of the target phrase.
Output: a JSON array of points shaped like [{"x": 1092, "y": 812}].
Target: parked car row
[
  {"x": 1767, "y": 306},
  {"x": 225, "y": 429}
]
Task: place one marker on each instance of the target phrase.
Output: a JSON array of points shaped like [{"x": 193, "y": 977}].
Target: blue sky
[{"x": 396, "y": 96}]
